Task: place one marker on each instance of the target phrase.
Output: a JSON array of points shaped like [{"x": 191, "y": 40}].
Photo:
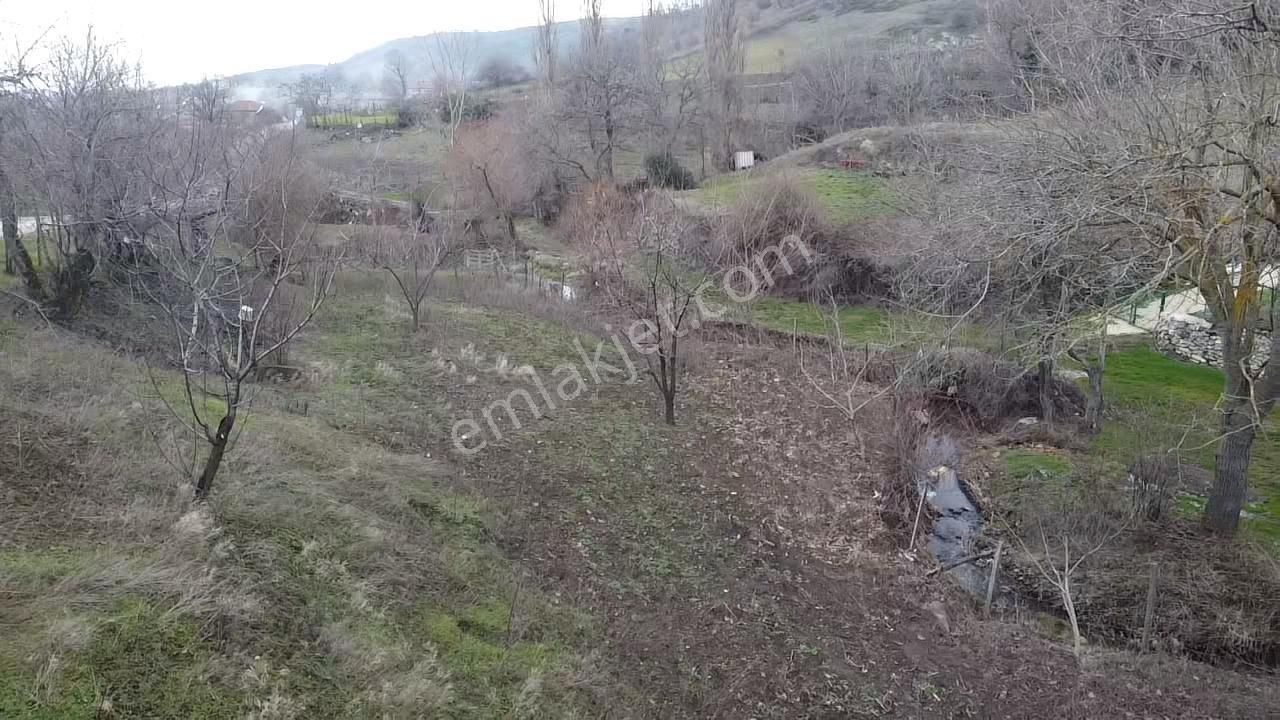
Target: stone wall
[{"x": 1189, "y": 338}]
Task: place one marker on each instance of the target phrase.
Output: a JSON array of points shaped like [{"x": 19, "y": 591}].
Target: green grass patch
[
  {"x": 1022, "y": 464},
  {"x": 530, "y": 341},
  {"x": 1024, "y": 467},
  {"x": 860, "y": 323},
  {"x": 352, "y": 119},
  {"x": 490, "y": 671},
  {"x": 146, "y": 662},
  {"x": 1159, "y": 398},
  {"x": 40, "y": 567},
  {"x": 847, "y": 196}
]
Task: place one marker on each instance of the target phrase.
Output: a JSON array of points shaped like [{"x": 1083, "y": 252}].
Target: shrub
[
  {"x": 984, "y": 389},
  {"x": 664, "y": 170},
  {"x": 473, "y": 109}
]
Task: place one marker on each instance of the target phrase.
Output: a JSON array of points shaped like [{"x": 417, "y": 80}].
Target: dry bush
[
  {"x": 766, "y": 212},
  {"x": 835, "y": 262},
  {"x": 903, "y": 462},
  {"x": 488, "y": 168},
  {"x": 589, "y": 217},
  {"x": 985, "y": 390},
  {"x": 1216, "y": 600},
  {"x": 279, "y": 197}
]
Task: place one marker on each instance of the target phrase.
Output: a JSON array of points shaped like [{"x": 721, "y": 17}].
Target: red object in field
[{"x": 853, "y": 163}]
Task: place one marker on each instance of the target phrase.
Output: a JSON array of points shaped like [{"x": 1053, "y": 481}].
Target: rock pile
[{"x": 1194, "y": 340}]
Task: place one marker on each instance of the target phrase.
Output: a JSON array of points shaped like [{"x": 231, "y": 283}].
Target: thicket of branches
[
  {"x": 205, "y": 219},
  {"x": 1149, "y": 162}
]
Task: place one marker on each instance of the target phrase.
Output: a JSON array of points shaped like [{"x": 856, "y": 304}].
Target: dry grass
[{"x": 116, "y": 589}]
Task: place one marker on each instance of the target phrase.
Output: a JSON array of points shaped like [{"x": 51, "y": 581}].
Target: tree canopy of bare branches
[
  {"x": 452, "y": 57},
  {"x": 1152, "y": 162},
  {"x": 396, "y": 74},
  {"x": 725, "y": 60}
]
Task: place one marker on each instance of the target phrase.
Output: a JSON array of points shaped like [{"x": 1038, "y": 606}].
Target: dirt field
[{"x": 594, "y": 563}]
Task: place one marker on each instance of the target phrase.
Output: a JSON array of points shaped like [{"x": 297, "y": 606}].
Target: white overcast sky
[{"x": 180, "y": 40}]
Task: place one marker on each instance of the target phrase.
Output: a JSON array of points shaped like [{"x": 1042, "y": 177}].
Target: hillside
[
  {"x": 365, "y": 69},
  {"x": 778, "y": 32}
]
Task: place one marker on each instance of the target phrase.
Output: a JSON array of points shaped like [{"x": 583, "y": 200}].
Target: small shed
[{"x": 744, "y": 160}]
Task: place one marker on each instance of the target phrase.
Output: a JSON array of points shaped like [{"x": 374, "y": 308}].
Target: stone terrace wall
[{"x": 1194, "y": 340}]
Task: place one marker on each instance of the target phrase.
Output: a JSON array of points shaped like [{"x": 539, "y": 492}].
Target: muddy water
[{"x": 958, "y": 521}]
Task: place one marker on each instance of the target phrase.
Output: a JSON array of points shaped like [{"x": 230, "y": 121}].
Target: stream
[{"x": 958, "y": 521}]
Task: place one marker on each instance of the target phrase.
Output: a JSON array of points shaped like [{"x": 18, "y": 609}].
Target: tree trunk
[
  {"x": 214, "y": 461},
  {"x": 9, "y": 220},
  {"x": 1231, "y": 471},
  {"x": 607, "y": 156},
  {"x": 1046, "y": 389},
  {"x": 511, "y": 225},
  {"x": 24, "y": 267},
  {"x": 669, "y": 405},
  {"x": 1097, "y": 404}
]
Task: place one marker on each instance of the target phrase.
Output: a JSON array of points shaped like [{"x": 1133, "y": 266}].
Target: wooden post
[
  {"x": 924, "y": 493},
  {"x": 991, "y": 581},
  {"x": 1149, "y": 619}
]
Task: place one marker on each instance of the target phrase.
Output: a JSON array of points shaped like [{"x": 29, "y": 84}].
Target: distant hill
[
  {"x": 365, "y": 70},
  {"x": 779, "y": 32}
]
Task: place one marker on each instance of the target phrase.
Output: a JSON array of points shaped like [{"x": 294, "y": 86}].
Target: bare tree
[
  {"x": 914, "y": 74},
  {"x": 834, "y": 84},
  {"x": 670, "y": 89},
  {"x": 207, "y": 99},
  {"x": 16, "y": 259},
  {"x": 1016, "y": 247},
  {"x": 499, "y": 71},
  {"x": 604, "y": 88},
  {"x": 395, "y": 78},
  {"x": 1061, "y": 554},
  {"x": 413, "y": 257},
  {"x": 1162, "y": 121},
  {"x": 231, "y": 312},
  {"x": 723, "y": 45},
  {"x": 452, "y": 56},
  {"x": 79, "y": 129},
  {"x": 488, "y": 166},
  {"x": 636, "y": 250},
  {"x": 312, "y": 93},
  {"x": 546, "y": 50}
]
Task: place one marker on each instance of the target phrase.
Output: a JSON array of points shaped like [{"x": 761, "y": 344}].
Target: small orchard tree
[
  {"x": 413, "y": 256},
  {"x": 231, "y": 310},
  {"x": 638, "y": 256}
]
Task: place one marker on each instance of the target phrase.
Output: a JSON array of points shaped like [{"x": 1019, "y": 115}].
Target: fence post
[
  {"x": 1151, "y": 606},
  {"x": 991, "y": 581}
]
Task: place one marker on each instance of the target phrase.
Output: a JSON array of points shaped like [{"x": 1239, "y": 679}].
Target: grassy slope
[
  {"x": 776, "y": 49},
  {"x": 1159, "y": 398},
  {"x": 334, "y": 575},
  {"x": 847, "y": 196}
]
